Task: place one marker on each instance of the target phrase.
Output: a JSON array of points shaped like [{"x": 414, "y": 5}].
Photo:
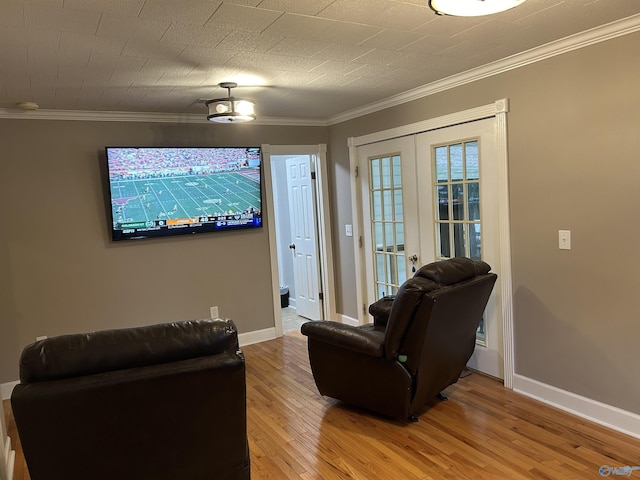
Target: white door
[
  {"x": 302, "y": 212},
  {"x": 447, "y": 183},
  {"x": 458, "y": 178},
  {"x": 387, "y": 172}
]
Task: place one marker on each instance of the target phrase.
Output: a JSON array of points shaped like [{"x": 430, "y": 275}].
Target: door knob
[
  {"x": 292, "y": 246},
  {"x": 413, "y": 259}
]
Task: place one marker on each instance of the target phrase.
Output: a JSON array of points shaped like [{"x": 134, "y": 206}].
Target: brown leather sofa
[
  {"x": 418, "y": 345},
  {"x": 159, "y": 402}
]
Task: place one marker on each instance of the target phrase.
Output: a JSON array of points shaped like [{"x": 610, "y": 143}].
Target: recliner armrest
[
  {"x": 366, "y": 341},
  {"x": 381, "y": 309}
]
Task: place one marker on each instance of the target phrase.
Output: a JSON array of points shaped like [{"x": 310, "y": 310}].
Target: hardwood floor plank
[{"x": 483, "y": 432}]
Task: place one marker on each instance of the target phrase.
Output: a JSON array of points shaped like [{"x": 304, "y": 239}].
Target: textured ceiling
[{"x": 313, "y": 58}]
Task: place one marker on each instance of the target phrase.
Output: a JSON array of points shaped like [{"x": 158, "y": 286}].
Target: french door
[
  {"x": 432, "y": 196},
  {"x": 389, "y": 202}
]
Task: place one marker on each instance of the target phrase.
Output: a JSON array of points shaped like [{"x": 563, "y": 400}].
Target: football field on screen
[{"x": 186, "y": 196}]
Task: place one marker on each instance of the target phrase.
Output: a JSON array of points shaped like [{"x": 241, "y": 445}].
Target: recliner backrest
[
  {"x": 453, "y": 270},
  {"x": 449, "y": 335},
  {"x": 403, "y": 310},
  {"x": 408, "y": 328}
]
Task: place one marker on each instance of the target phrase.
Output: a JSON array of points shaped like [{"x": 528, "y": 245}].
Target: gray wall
[
  {"x": 60, "y": 273},
  {"x": 574, "y": 143}
]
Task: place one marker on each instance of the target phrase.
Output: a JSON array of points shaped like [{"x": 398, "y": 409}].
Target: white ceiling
[{"x": 315, "y": 58}]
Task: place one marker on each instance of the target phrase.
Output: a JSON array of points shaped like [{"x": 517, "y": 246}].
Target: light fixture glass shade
[
  {"x": 472, "y": 8},
  {"x": 230, "y": 110}
]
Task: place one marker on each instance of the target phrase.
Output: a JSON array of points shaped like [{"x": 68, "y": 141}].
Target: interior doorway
[{"x": 299, "y": 234}]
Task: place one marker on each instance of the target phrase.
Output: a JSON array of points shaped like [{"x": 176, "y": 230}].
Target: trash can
[{"x": 284, "y": 296}]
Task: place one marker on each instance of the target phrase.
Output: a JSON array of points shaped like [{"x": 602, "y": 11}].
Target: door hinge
[
  {"x": 313, "y": 175},
  {"x": 320, "y": 296},
  {"x": 360, "y": 241},
  {"x": 357, "y": 171}
]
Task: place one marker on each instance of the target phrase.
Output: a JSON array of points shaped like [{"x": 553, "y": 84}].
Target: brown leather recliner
[
  {"x": 399, "y": 363},
  {"x": 159, "y": 402}
]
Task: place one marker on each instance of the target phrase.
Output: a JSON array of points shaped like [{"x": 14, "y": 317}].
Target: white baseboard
[
  {"x": 7, "y": 459},
  {"x": 601, "y": 413},
  {"x": 6, "y": 389},
  {"x": 256, "y": 336},
  {"x": 348, "y": 320}
]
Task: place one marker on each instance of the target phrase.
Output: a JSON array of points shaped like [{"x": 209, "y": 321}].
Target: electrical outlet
[{"x": 214, "y": 312}]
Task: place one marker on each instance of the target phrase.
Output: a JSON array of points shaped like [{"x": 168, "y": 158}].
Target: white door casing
[
  {"x": 7, "y": 455},
  {"x": 318, "y": 153},
  {"x": 368, "y": 155}
]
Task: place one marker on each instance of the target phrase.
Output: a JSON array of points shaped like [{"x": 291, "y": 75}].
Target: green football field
[{"x": 188, "y": 196}]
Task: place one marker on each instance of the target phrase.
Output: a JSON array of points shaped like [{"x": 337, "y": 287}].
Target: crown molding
[
  {"x": 152, "y": 117},
  {"x": 552, "y": 49}
]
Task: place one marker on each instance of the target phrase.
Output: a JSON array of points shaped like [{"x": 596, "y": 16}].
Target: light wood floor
[{"x": 482, "y": 432}]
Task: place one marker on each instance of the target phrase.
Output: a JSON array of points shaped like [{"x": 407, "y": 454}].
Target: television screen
[{"x": 158, "y": 191}]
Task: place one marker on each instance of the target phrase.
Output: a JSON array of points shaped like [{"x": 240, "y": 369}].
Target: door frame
[
  {"x": 498, "y": 110},
  {"x": 323, "y": 211}
]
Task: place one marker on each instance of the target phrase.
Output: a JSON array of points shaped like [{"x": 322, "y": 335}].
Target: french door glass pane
[
  {"x": 473, "y": 201},
  {"x": 386, "y": 172},
  {"x": 387, "y": 227},
  {"x": 386, "y": 207},
  {"x": 442, "y": 164},
  {"x": 471, "y": 160},
  {"x": 443, "y": 240},
  {"x": 457, "y": 192},
  {"x": 397, "y": 202},
  {"x": 376, "y": 205},
  {"x": 459, "y": 240},
  {"x": 474, "y": 241},
  {"x": 456, "y": 162},
  {"x": 400, "y": 236},
  {"x": 443, "y": 202},
  {"x": 375, "y": 174},
  {"x": 388, "y": 236},
  {"x": 397, "y": 178},
  {"x": 378, "y": 240},
  {"x": 380, "y": 265}
]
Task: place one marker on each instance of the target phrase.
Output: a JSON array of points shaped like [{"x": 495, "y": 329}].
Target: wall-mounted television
[{"x": 159, "y": 191}]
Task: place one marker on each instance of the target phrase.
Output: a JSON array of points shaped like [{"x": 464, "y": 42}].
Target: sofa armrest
[{"x": 369, "y": 342}]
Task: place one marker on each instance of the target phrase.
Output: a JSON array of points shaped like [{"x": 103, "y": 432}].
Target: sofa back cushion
[{"x": 75, "y": 355}]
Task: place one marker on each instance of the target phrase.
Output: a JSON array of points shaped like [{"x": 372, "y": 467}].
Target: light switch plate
[{"x": 564, "y": 239}]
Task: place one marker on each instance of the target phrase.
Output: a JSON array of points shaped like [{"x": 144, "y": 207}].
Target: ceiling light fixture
[
  {"x": 472, "y": 8},
  {"x": 230, "y": 109},
  {"x": 28, "y": 106}
]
